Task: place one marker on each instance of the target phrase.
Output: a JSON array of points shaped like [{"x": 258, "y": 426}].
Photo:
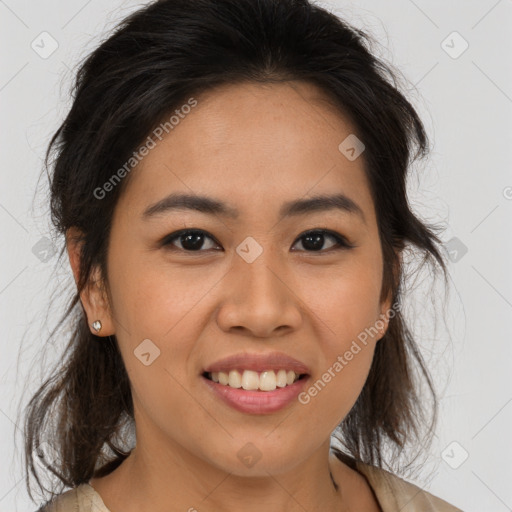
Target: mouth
[
  {"x": 250, "y": 380},
  {"x": 256, "y": 393},
  {"x": 256, "y": 383}
]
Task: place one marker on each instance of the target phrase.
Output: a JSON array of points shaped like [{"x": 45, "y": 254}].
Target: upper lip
[{"x": 258, "y": 363}]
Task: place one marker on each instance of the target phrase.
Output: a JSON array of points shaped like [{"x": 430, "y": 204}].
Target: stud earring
[{"x": 96, "y": 325}]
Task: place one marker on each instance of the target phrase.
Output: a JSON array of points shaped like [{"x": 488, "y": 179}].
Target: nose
[{"x": 259, "y": 299}]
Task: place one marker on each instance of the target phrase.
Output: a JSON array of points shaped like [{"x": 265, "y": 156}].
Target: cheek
[
  {"x": 347, "y": 308},
  {"x": 154, "y": 331},
  {"x": 152, "y": 298},
  {"x": 148, "y": 314},
  {"x": 347, "y": 349},
  {"x": 347, "y": 299}
]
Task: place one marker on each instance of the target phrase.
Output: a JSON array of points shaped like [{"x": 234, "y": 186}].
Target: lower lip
[{"x": 257, "y": 402}]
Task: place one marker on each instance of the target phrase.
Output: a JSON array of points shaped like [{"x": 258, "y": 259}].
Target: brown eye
[
  {"x": 191, "y": 240},
  {"x": 314, "y": 241}
]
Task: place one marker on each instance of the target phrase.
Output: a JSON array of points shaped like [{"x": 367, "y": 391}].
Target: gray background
[{"x": 465, "y": 98}]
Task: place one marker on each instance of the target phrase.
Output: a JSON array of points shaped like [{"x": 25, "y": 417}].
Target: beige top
[{"x": 392, "y": 492}]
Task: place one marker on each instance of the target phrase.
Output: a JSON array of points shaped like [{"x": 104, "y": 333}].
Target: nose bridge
[
  {"x": 259, "y": 297},
  {"x": 258, "y": 266}
]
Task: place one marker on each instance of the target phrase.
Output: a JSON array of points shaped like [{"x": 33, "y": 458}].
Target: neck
[{"x": 175, "y": 476}]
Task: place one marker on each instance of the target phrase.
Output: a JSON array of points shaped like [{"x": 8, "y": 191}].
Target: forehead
[{"x": 252, "y": 145}]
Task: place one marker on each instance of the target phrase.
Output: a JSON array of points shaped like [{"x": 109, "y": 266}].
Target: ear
[
  {"x": 385, "y": 311},
  {"x": 93, "y": 297}
]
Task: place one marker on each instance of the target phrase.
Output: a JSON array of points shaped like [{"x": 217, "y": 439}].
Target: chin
[{"x": 249, "y": 460}]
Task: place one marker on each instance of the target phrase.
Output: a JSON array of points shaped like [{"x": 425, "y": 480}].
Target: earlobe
[
  {"x": 93, "y": 296},
  {"x": 98, "y": 310}
]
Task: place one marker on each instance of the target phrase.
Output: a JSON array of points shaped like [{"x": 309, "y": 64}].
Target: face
[{"x": 252, "y": 283}]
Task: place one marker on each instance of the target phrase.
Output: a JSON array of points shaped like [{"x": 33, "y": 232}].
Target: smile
[
  {"x": 250, "y": 380},
  {"x": 256, "y": 401}
]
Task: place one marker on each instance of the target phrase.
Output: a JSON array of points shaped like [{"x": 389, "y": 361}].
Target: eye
[
  {"x": 193, "y": 240},
  {"x": 314, "y": 240}
]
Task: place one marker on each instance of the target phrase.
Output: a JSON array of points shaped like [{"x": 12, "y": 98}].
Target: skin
[{"x": 254, "y": 147}]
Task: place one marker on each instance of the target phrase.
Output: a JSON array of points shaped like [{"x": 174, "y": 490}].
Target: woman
[{"x": 230, "y": 182}]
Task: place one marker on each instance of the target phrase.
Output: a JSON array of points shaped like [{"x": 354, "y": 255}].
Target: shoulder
[
  {"x": 79, "y": 499},
  {"x": 395, "y": 493}
]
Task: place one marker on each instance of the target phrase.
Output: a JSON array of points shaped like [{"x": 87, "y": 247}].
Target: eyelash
[{"x": 343, "y": 243}]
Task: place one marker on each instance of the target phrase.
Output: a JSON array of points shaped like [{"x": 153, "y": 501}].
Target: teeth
[
  {"x": 251, "y": 380},
  {"x": 281, "y": 379},
  {"x": 267, "y": 381},
  {"x": 235, "y": 379}
]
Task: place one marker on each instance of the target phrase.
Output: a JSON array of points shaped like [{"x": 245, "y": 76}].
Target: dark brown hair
[{"x": 155, "y": 60}]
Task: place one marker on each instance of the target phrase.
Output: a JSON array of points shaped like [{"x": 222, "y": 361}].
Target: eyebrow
[{"x": 211, "y": 206}]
